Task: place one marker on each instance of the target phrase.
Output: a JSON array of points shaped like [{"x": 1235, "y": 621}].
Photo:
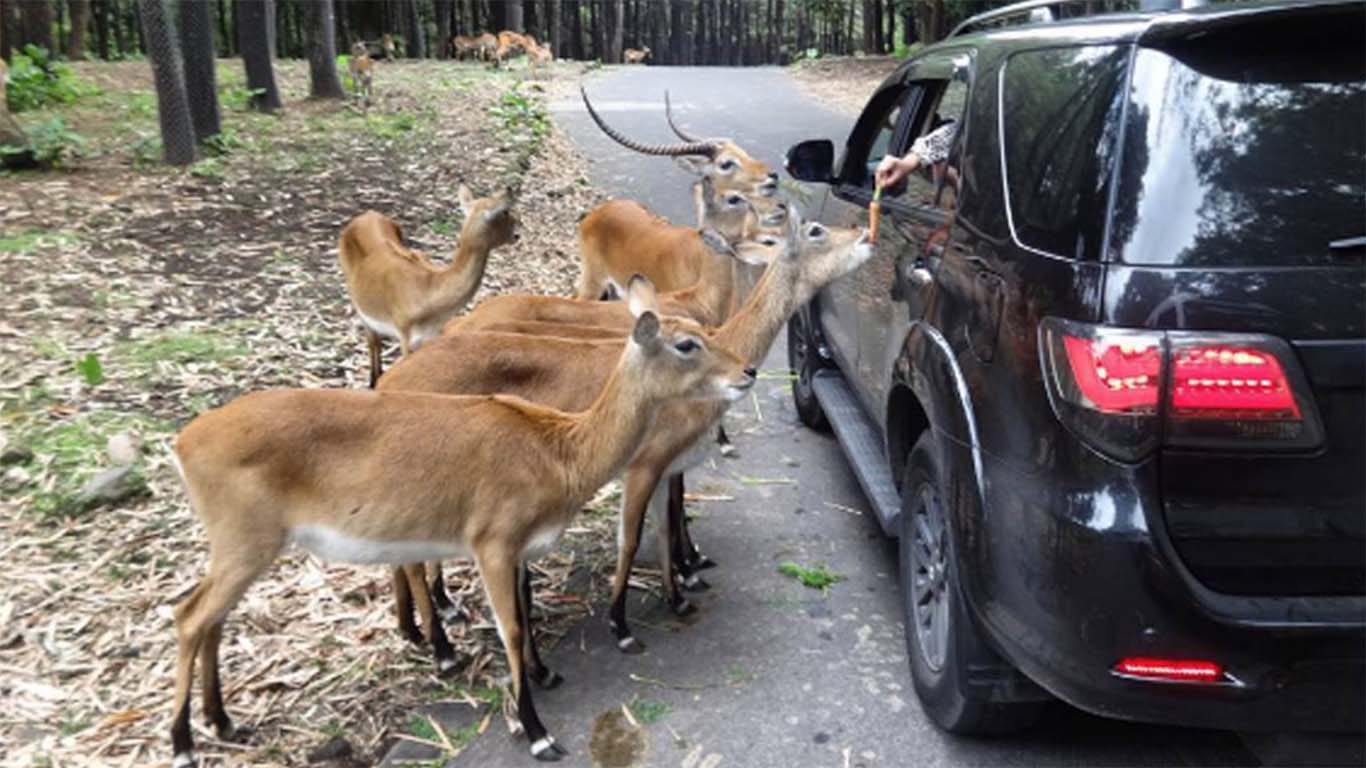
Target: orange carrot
[{"x": 874, "y": 215}]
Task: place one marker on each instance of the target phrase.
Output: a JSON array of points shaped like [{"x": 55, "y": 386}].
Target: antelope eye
[
  {"x": 734, "y": 200},
  {"x": 686, "y": 346},
  {"x": 727, "y": 165},
  {"x": 815, "y": 232},
  {"x": 768, "y": 241}
]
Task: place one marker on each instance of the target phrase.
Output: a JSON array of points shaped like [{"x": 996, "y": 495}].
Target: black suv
[{"x": 1104, "y": 376}]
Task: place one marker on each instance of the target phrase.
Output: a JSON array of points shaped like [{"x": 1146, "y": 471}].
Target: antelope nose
[
  {"x": 750, "y": 372},
  {"x": 773, "y": 175}
]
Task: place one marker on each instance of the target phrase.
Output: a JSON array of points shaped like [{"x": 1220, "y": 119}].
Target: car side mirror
[{"x": 812, "y": 160}]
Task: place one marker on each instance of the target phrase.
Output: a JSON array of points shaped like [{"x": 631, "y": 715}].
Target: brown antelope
[
  {"x": 539, "y": 55},
  {"x": 511, "y": 43},
  {"x": 361, "y": 67},
  {"x": 465, "y": 47},
  {"x": 635, "y": 56},
  {"x": 563, "y": 373},
  {"x": 390, "y": 49},
  {"x": 397, "y": 477},
  {"x": 621, "y": 238},
  {"x": 397, "y": 292},
  {"x": 729, "y": 166}
]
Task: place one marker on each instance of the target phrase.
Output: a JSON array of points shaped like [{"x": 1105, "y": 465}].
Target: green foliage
[
  {"x": 35, "y": 80},
  {"x": 648, "y": 711},
  {"x": 224, "y": 142},
  {"x": 518, "y": 114},
  {"x": 51, "y": 142},
  {"x": 239, "y": 98},
  {"x": 903, "y": 50},
  {"x": 817, "y": 577},
  {"x": 391, "y": 125},
  {"x": 90, "y": 369},
  {"x": 180, "y": 347},
  {"x": 344, "y": 69},
  {"x": 36, "y": 238}
]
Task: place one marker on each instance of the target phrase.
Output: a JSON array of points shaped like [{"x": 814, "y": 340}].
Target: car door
[{"x": 879, "y": 130}]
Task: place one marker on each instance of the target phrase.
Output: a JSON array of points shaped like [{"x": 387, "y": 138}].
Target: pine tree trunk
[
  {"x": 177, "y": 131},
  {"x": 618, "y": 24},
  {"x": 197, "y": 51},
  {"x": 513, "y": 18},
  {"x": 99, "y": 13},
  {"x": 323, "y": 82},
  {"x": 442, "y": 44},
  {"x": 80, "y": 22},
  {"x": 36, "y": 25},
  {"x": 556, "y": 27},
  {"x": 253, "y": 39},
  {"x": 412, "y": 31},
  {"x": 575, "y": 10},
  {"x": 8, "y": 30},
  {"x": 680, "y": 31}
]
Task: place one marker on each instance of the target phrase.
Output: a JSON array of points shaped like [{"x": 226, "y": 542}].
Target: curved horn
[
  {"x": 675, "y": 150},
  {"x": 669, "y": 115}
]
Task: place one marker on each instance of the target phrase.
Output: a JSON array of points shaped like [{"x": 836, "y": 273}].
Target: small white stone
[{"x": 124, "y": 449}]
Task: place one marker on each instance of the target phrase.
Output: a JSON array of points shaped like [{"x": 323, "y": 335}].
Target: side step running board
[{"x": 862, "y": 443}]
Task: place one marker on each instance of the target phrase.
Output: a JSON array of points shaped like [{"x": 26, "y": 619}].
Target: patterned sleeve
[{"x": 933, "y": 147}]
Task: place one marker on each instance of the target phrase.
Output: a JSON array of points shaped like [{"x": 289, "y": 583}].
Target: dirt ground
[
  {"x": 843, "y": 82},
  {"x": 137, "y": 296}
]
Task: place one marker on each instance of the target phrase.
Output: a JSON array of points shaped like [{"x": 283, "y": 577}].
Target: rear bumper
[{"x": 1068, "y": 580}]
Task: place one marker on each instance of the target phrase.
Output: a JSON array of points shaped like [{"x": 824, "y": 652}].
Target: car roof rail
[{"x": 1043, "y": 11}]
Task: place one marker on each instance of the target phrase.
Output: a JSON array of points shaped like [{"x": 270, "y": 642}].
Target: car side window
[
  {"x": 1060, "y": 115},
  {"x": 879, "y": 131},
  {"x": 934, "y": 184}
]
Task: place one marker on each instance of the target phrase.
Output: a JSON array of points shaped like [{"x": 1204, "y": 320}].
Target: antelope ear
[
  {"x": 466, "y": 198},
  {"x": 755, "y": 253},
  {"x": 715, "y": 241},
  {"x": 694, "y": 164},
  {"x": 640, "y": 296},
  {"x": 646, "y": 332}
]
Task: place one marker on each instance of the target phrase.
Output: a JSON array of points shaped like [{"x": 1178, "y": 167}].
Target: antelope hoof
[
  {"x": 700, "y": 562},
  {"x": 694, "y": 583},
  {"x": 729, "y": 451},
  {"x": 185, "y": 760},
  {"x": 683, "y": 608},
  {"x": 548, "y": 680},
  {"x": 447, "y": 667},
  {"x": 453, "y": 613},
  {"x": 412, "y": 635},
  {"x": 546, "y": 750},
  {"x": 630, "y": 645}
]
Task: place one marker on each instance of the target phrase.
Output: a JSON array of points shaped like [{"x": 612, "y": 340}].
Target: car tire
[
  {"x": 804, "y": 361},
  {"x": 942, "y": 637}
]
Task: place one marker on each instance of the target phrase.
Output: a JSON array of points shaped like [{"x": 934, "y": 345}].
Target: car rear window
[
  {"x": 1244, "y": 148},
  {"x": 1059, "y": 118}
]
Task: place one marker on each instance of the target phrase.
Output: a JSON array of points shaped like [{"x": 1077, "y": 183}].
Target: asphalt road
[{"x": 768, "y": 672}]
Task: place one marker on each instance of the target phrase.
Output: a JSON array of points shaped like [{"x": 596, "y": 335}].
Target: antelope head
[
  {"x": 721, "y": 159},
  {"x": 489, "y": 221},
  {"x": 674, "y": 356}
]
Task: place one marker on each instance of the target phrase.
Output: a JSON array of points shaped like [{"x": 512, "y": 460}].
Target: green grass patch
[
  {"x": 35, "y": 239},
  {"x": 816, "y": 577},
  {"x": 179, "y": 347},
  {"x": 67, "y": 453},
  {"x": 647, "y": 711}
]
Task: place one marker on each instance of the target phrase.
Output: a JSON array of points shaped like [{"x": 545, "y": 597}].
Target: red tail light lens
[
  {"x": 1171, "y": 670},
  {"x": 1125, "y": 391},
  {"x": 1220, "y": 382},
  {"x": 1119, "y": 376}
]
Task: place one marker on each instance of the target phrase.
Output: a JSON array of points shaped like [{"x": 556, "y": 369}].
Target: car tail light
[
  {"x": 1126, "y": 391},
  {"x": 1170, "y": 670}
]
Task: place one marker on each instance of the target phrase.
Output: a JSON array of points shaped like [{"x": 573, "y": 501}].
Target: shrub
[
  {"x": 50, "y": 141},
  {"x": 35, "y": 80}
]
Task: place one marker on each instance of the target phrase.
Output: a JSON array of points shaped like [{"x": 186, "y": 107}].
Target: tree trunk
[
  {"x": 889, "y": 42},
  {"x": 442, "y": 45},
  {"x": 99, "y": 14},
  {"x": 35, "y": 20},
  {"x": 80, "y": 22},
  {"x": 412, "y": 30},
  {"x": 253, "y": 39},
  {"x": 556, "y": 27},
  {"x": 512, "y": 16},
  {"x": 197, "y": 50},
  {"x": 163, "y": 51},
  {"x": 680, "y": 32},
  {"x": 8, "y": 29},
  {"x": 617, "y": 20},
  {"x": 576, "y": 29},
  {"x": 323, "y": 82}
]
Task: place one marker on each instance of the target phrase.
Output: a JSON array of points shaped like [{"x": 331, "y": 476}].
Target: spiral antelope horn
[
  {"x": 669, "y": 115},
  {"x": 704, "y": 148}
]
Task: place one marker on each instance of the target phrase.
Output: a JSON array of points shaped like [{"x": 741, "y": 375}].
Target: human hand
[{"x": 891, "y": 170}]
